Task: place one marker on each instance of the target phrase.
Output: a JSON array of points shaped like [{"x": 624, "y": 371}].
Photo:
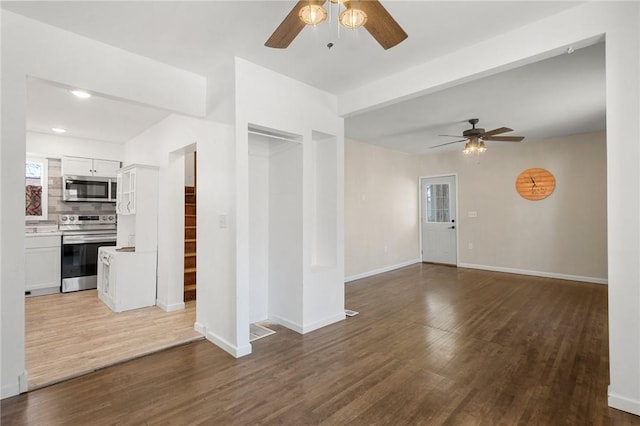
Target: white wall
[
  {"x": 381, "y": 209},
  {"x": 582, "y": 25},
  {"x": 285, "y": 234},
  {"x": 273, "y": 101},
  {"x": 564, "y": 235},
  {"x": 189, "y": 169},
  {"x": 259, "y": 227},
  {"x": 30, "y": 48},
  {"x": 165, "y": 145},
  {"x": 57, "y": 146}
]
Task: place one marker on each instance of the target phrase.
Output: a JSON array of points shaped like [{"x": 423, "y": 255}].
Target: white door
[{"x": 438, "y": 219}]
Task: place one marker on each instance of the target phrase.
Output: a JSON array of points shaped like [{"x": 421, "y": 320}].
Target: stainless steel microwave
[{"x": 89, "y": 189}]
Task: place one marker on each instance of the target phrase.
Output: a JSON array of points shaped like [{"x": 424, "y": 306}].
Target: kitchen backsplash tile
[{"x": 58, "y": 207}]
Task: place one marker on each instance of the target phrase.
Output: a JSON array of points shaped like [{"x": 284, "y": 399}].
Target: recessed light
[
  {"x": 81, "y": 94},
  {"x": 58, "y": 129}
]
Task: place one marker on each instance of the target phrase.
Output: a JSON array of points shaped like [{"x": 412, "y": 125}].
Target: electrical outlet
[
  {"x": 386, "y": 249},
  {"x": 470, "y": 246},
  {"x": 472, "y": 214}
]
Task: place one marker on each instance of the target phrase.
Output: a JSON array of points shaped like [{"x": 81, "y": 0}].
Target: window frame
[{"x": 44, "y": 179}]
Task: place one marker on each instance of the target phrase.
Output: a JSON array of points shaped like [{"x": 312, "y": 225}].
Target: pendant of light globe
[
  {"x": 352, "y": 18},
  {"x": 312, "y": 14}
]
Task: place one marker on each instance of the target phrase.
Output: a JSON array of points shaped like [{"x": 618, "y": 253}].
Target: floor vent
[{"x": 257, "y": 331}]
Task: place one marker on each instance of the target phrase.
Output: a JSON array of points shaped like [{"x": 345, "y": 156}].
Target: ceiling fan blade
[
  {"x": 290, "y": 27},
  {"x": 448, "y": 143},
  {"x": 497, "y": 131},
  {"x": 380, "y": 23},
  {"x": 453, "y": 136},
  {"x": 503, "y": 138}
]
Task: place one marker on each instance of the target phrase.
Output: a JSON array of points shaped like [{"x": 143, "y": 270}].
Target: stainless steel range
[{"x": 81, "y": 237}]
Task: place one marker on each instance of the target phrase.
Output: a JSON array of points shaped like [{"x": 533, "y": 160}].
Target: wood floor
[
  {"x": 432, "y": 345},
  {"x": 74, "y": 333}
]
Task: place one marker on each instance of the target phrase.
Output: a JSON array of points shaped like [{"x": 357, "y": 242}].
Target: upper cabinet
[
  {"x": 126, "y": 192},
  {"x": 79, "y": 166}
]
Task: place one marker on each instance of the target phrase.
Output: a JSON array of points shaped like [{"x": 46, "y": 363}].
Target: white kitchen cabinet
[
  {"x": 42, "y": 256},
  {"x": 137, "y": 207},
  {"x": 126, "y": 280},
  {"x": 126, "y": 191},
  {"x": 80, "y": 166}
]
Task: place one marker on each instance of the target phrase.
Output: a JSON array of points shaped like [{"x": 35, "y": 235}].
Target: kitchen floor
[{"x": 71, "y": 334}]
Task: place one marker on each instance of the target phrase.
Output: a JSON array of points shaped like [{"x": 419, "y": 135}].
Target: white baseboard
[
  {"x": 200, "y": 328},
  {"x": 18, "y": 387},
  {"x": 235, "y": 351},
  {"x": 286, "y": 323},
  {"x": 381, "y": 270},
  {"x": 306, "y": 328},
  {"x": 624, "y": 404},
  {"x": 10, "y": 390},
  {"x": 323, "y": 322},
  {"x": 535, "y": 273},
  {"x": 171, "y": 307}
]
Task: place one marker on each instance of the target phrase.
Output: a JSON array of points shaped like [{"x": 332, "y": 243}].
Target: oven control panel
[{"x": 79, "y": 219}]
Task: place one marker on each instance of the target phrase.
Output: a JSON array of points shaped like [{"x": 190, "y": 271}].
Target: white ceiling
[
  {"x": 96, "y": 118},
  {"x": 203, "y": 36}
]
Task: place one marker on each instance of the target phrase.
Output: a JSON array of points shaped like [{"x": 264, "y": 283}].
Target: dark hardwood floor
[{"x": 432, "y": 345}]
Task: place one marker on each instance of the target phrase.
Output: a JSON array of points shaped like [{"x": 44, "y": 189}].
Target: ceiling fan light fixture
[
  {"x": 313, "y": 14},
  {"x": 473, "y": 145},
  {"x": 353, "y": 18}
]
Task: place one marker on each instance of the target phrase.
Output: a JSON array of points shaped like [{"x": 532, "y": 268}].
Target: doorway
[{"x": 438, "y": 219}]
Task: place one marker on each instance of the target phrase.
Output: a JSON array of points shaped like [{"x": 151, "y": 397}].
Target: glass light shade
[
  {"x": 313, "y": 14},
  {"x": 481, "y": 147},
  {"x": 353, "y": 18},
  {"x": 337, "y": 1}
]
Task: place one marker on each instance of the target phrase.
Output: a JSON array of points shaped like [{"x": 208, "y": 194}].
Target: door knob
[{"x": 452, "y": 227}]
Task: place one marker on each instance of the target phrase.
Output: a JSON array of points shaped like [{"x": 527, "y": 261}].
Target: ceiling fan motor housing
[{"x": 473, "y": 132}]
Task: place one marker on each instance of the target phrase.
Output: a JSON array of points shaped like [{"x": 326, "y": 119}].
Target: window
[
  {"x": 36, "y": 188},
  {"x": 437, "y": 198}
]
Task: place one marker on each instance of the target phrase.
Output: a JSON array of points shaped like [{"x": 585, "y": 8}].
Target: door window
[{"x": 437, "y": 202}]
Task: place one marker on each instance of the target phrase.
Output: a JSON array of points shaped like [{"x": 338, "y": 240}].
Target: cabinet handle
[{"x": 128, "y": 204}]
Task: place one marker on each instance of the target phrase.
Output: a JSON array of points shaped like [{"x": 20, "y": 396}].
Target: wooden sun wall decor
[{"x": 535, "y": 184}]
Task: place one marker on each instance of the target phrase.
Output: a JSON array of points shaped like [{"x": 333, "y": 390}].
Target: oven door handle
[{"x": 87, "y": 239}]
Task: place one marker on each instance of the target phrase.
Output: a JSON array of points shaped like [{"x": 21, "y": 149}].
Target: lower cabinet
[
  {"x": 42, "y": 258},
  {"x": 126, "y": 280}
]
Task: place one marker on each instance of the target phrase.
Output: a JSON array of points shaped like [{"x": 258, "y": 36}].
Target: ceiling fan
[
  {"x": 475, "y": 137},
  {"x": 367, "y": 13}
]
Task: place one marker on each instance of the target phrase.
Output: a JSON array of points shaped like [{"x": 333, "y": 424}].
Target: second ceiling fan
[
  {"x": 367, "y": 13},
  {"x": 476, "y": 136}
]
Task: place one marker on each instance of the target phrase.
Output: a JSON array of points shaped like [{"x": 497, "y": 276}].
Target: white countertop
[{"x": 43, "y": 234}]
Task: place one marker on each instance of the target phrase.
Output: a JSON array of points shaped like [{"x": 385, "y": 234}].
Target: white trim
[
  {"x": 543, "y": 274},
  {"x": 457, "y": 223},
  {"x": 23, "y": 381},
  {"x": 10, "y": 390},
  {"x": 170, "y": 308},
  {"x": 286, "y": 323},
  {"x": 324, "y": 322},
  {"x": 621, "y": 403},
  {"x": 18, "y": 387},
  {"x": 233, "y": 350},
  {"x": 200, "y": 328},
  {"x": 381, "y": 270}
]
